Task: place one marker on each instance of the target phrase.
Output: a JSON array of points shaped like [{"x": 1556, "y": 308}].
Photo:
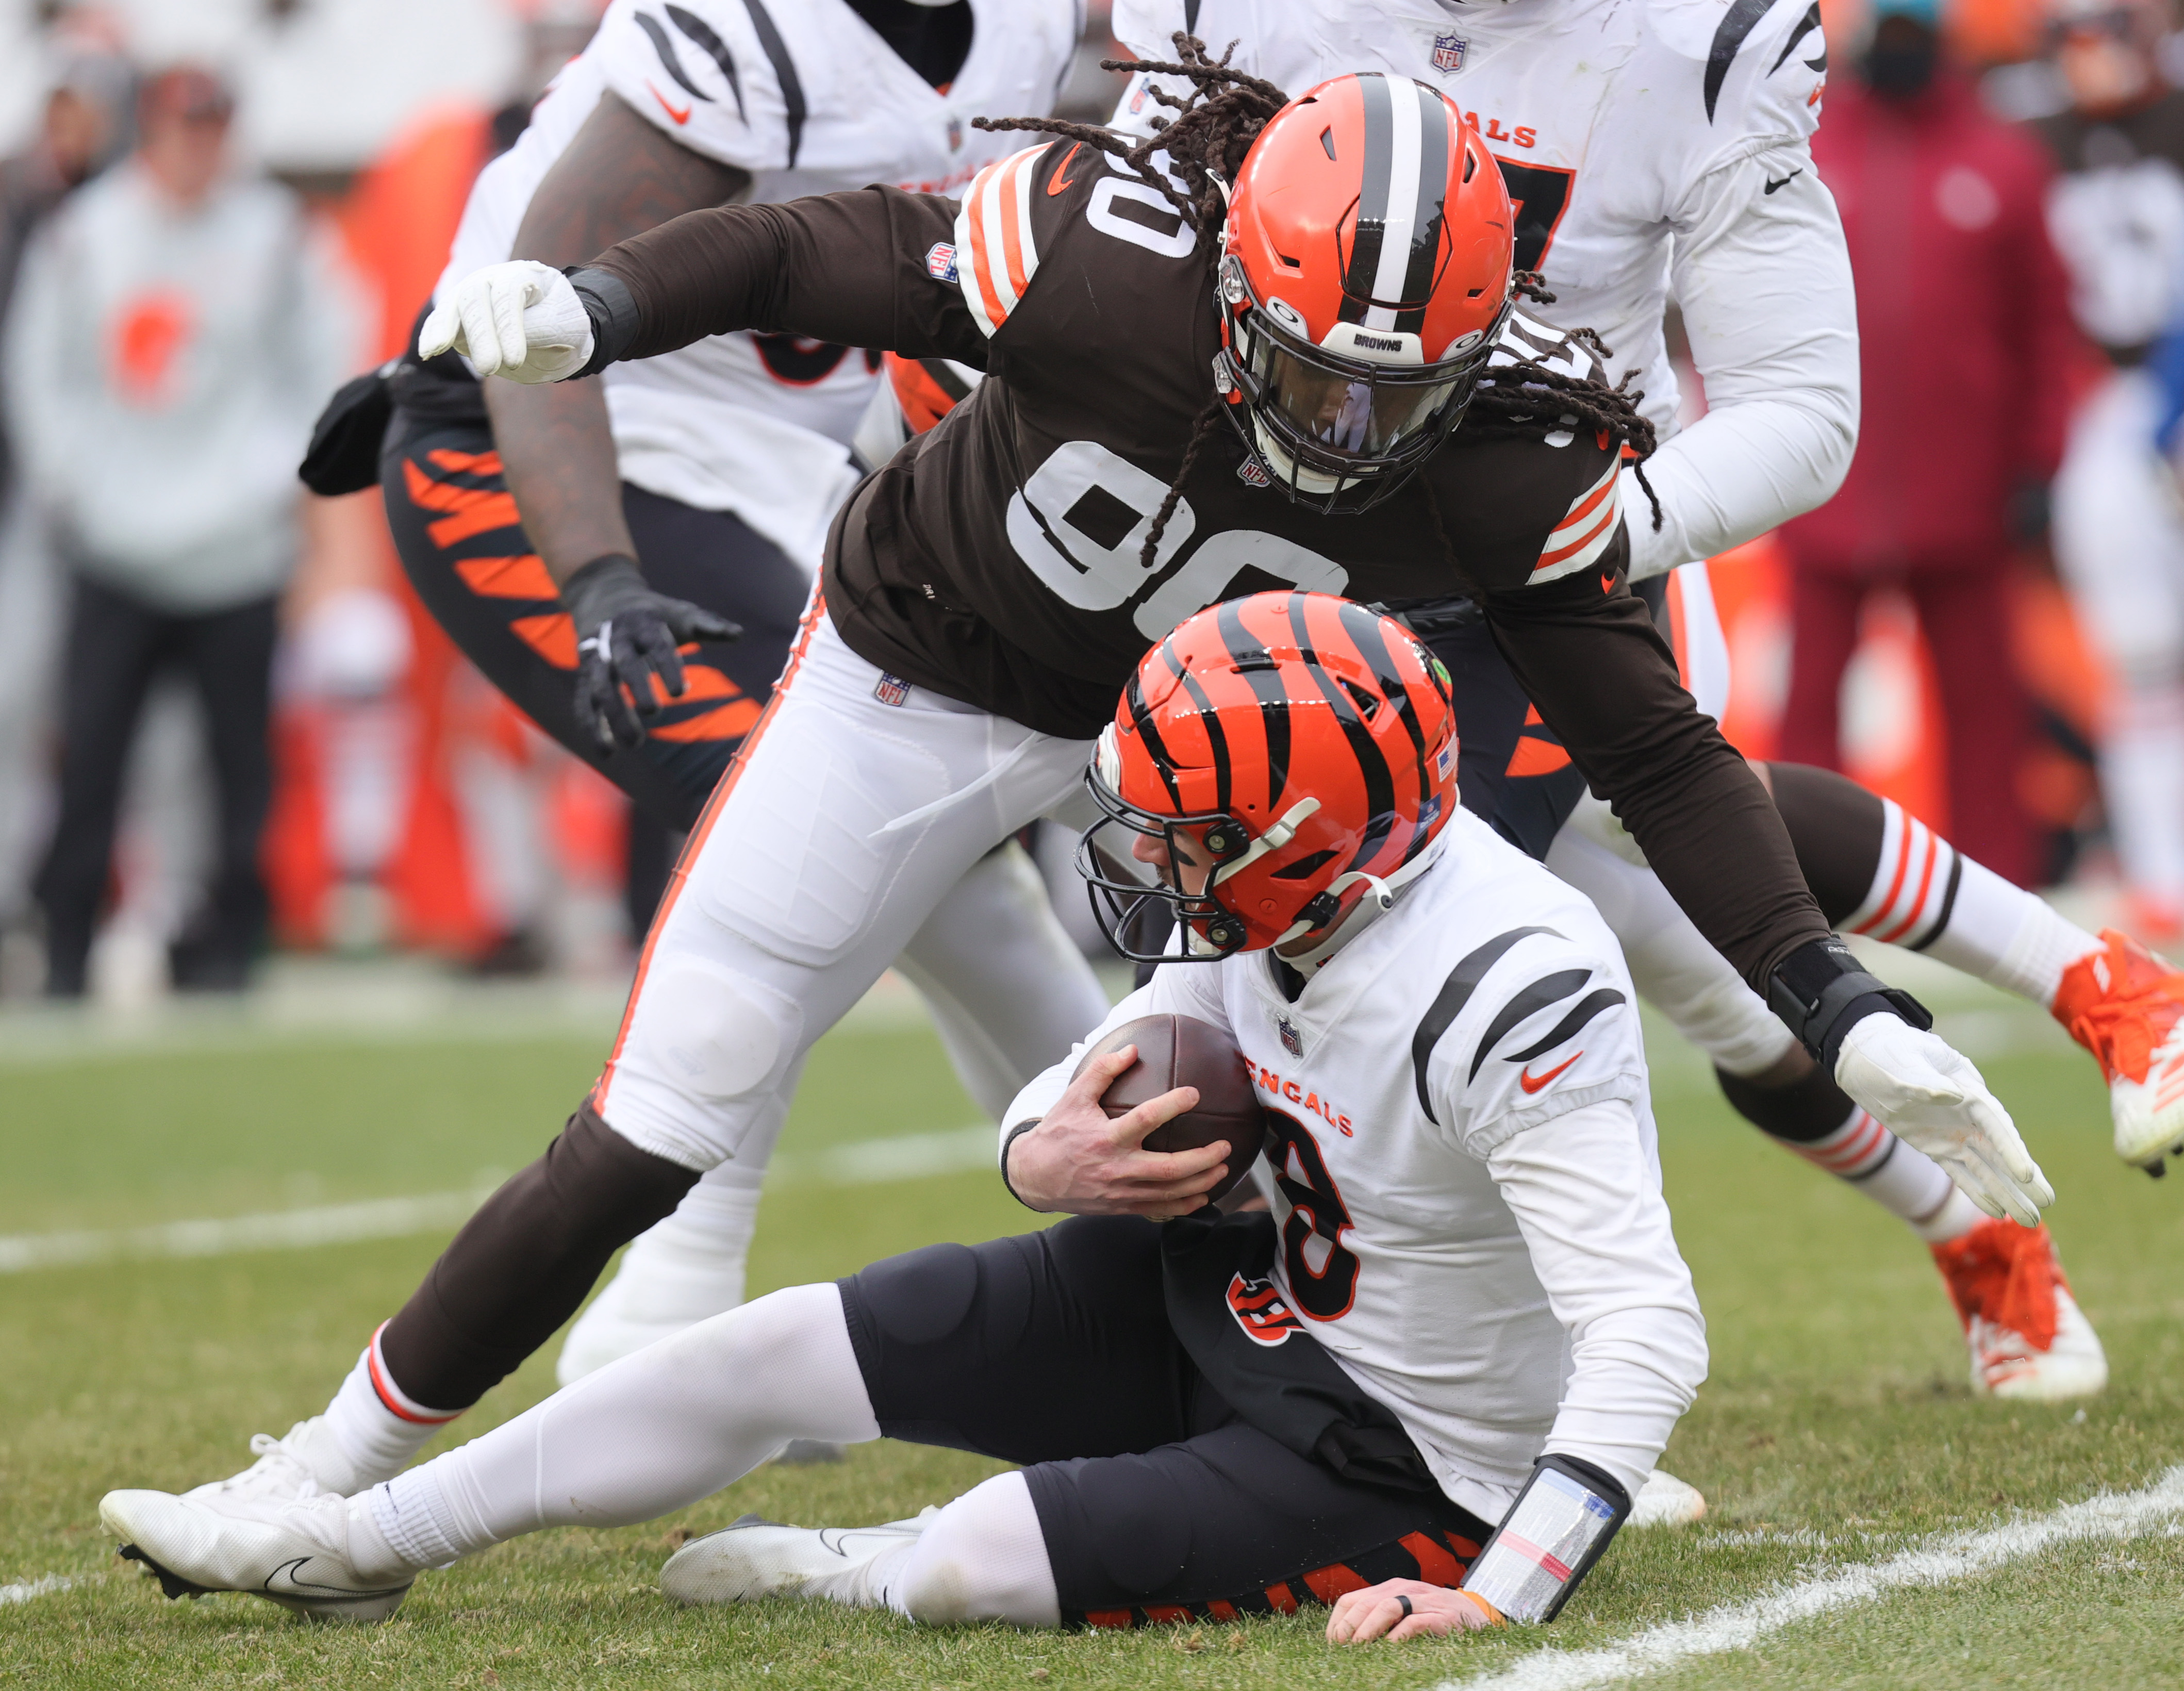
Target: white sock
[
  {"x": 2142, "y": 781},
  {"x": 1927, "y": 896},
  {"x": 373, "y": 1426},
  {"x": 983, "y": 1559},
  {"x": 1905, "y": 1182},
  {"x": 689, "y": 1267},
  {"x": 656, "y": 1430}
]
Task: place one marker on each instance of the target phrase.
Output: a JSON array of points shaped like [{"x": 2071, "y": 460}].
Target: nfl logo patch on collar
[
  {"x": 1138, "y": 99},
  {"x": 940, "y": 262},
  {"x": 1292, "y": 1041},
  {"x": 1252, "y": 473},
  {"x": 891, "y": 689},
  {"x": 954, "y": 135},
  {"x": 1448, "y": 53}
]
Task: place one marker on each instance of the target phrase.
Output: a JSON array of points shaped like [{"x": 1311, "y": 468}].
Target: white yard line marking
[
  {"x": 24, "y": 1590},
  {"x": 1940, "y": 1560},
  {"x": 909, "y": 1156}
]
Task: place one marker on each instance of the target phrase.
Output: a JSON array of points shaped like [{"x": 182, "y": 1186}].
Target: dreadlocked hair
[{"x": 1510, "y": 404}]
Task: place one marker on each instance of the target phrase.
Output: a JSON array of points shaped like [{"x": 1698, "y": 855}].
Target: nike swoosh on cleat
[
  {"x": 1060, "y": 180},
  {"x": 1531, "y": 1082},
  {"x": 1772, "y": 185},
  {"x": 684, "y": 116},
  {"x": 297, "y": 1588}
]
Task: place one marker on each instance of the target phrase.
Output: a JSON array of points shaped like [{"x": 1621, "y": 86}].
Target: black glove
[{"x": 626, "y": 635}]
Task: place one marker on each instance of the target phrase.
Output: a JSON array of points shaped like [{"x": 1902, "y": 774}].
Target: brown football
[{"x": 1182, "y": 1051}]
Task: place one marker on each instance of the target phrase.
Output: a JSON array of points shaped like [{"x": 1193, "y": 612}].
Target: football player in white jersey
[
  {"x": 1465, "y": 1308},
  {"x": 1662, "y": 150},
  {"x": 684, "y": 489}
]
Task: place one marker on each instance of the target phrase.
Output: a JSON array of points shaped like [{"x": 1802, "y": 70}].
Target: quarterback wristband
[
  {"x": 1821, "y": 992},
  {"x": 1566, "y": 1516},
  {"x": 1008, "y": 1144},
  {"x": 612, "y": 307}
]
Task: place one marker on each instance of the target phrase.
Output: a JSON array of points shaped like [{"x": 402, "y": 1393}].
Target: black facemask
[{"x": 1899, "y": 69}]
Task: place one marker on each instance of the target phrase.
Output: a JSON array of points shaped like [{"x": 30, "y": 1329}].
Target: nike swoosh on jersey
[
  {"x": 681, "y": 117},
  {"x": 1772, "y": 184},
  {"x": 1532, "y": 1082},
  {"x": 1061, "y": 178}
]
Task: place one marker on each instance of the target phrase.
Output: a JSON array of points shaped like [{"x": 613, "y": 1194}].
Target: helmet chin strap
[
  {"x": 1273, "y": 839},
  {"x": 1367, "y": 911}
]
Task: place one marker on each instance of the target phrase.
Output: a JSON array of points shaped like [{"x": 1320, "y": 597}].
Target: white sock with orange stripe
[
  {"x": 374, "y": 1424},
  {"x": 1904, "y": 1182},
  {"x": 1929, "y": 897}
]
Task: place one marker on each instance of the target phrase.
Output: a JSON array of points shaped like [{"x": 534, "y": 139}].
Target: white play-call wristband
[{"x": 1548, "y": 1542}]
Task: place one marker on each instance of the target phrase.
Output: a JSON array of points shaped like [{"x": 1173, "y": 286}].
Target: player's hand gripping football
[
  {"x": 1400, "y": 1609},
  {"x": 522, "y": 321},
  {"x": 1078, "y": 1161},
  {"x": 626, "y": 635},
  {"x": 1933, "y": 1098}
]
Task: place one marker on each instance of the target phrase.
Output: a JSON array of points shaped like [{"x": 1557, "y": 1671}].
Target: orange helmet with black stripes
[
  {"x": 1364, "y": 275},
  {"x": 1290, "y": 751}
]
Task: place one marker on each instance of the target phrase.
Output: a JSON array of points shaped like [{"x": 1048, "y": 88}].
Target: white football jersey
[
  {"x": 804, "y": 96},
  {"x": 1417, "y": 1088}
]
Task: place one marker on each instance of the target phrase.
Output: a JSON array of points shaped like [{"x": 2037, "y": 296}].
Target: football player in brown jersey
[{"x": 988, "y": 590}]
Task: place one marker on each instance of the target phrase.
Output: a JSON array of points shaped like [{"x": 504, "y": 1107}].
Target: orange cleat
[
  {"x": 2125, "y": 1006},
  {"x": 2028, "y": 1336}
]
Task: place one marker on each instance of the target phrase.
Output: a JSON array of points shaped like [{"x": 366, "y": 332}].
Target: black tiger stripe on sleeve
[{"x": 1448, "y": 1004}]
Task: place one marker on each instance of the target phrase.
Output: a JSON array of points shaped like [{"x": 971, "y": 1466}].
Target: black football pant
[
  {"x": 116, "y": 645},
  {"x": 1158, "y": 1499}
]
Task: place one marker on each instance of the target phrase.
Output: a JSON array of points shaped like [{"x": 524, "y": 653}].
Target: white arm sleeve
[
  {"x": 1764, "y": 282},
  {"x": 1589, "y": 1206}
]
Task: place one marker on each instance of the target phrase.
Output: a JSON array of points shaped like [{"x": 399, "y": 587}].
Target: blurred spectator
[
  {"x": 2117, "y": 211},
  {"x": 172, "y": 337},
  {"x": 83, "y": 123},
  {"x": 1964, "y": 349}
]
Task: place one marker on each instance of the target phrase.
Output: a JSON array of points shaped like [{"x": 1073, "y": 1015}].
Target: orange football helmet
[
  {"x": 1365, "y": 274},
  {"x": 1303, "y": 746}
]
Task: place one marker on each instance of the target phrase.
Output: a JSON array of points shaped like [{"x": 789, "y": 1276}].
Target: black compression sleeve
[{"x": 522, "y": 1264}]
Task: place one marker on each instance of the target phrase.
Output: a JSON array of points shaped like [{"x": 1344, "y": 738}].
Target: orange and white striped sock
[
  {"x": 1928, "y": 896},
  {"x": 1902, "y": 1180}
]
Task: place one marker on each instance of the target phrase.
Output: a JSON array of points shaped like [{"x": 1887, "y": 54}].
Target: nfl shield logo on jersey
[
  {"x": 1292, "y": 1041},
  {"x": 1252, "y": 473},
  {"x": 1448, "y": 53},
  {"x": 954, "y": 135},
  {"x": 940, "y": 262},
  {"x": 890, "y": 689}
]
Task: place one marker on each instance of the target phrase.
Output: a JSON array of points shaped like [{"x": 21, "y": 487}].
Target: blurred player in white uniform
[
  {"x": 1467, "y": 1306},
  {"x": 2116, "y": 212}
]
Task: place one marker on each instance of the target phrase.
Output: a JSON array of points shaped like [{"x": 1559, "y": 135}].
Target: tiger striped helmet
[
  {"x": 1302, "y": 746},
  {"x": 1365, "y": 274}
]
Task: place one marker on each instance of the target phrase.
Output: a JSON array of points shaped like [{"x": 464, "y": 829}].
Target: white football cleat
[
  {"x": 2028, "y": 1338},
  {"x": 294, "y": 1554},
  {"x": 1664, "y": 1500},
  {"x": 2125, "y": 1006},
  {"x": 756, "y": 1558},
  {"x": 304, "y": 1464}
]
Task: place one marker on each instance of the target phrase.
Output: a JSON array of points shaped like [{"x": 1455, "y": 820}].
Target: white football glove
[
  {"x": 1933, "y": 1098},
  {"x": 522, "y": 321}
]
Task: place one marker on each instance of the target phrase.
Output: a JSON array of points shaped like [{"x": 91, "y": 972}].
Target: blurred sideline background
[{"x": 417, "y": 820}]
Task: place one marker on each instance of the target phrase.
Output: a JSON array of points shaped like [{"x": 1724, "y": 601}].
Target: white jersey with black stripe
[
  {"x": 1651, "y": 148},
  {"x": 808, "y": 99},
  {"x": 1463, "y": 1169}
]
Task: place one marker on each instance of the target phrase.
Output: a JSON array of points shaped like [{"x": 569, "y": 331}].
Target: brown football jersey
[{"x": 996, "y": 559}]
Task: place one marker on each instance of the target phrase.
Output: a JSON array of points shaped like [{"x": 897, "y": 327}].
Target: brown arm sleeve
[
  {"x": 856, "y": 268},
  {"x": 1605, "y": 681}
]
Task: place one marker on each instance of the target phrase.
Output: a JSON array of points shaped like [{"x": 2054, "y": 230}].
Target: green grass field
[{"x": 1836, "y": 1429}]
